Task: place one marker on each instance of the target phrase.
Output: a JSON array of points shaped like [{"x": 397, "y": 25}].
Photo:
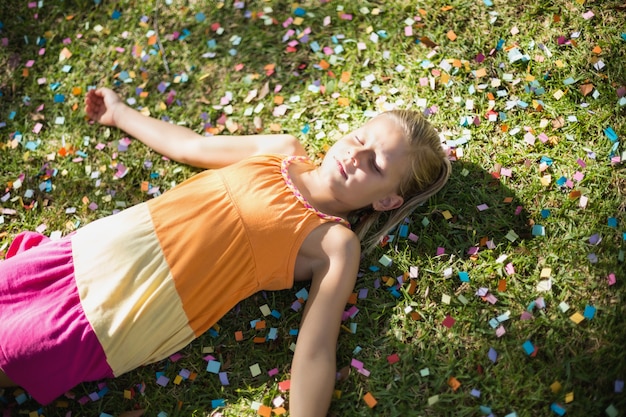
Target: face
[{"x": 366, "y": 166}]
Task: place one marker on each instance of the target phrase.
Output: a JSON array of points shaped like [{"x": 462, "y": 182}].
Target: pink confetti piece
[
  {"x": 355, "y": 363},
  {"x": 510, "y": 269},
  {"x": 500, "y": 331},
  {"x": 441, "y": 251},
  {"x": 448, "y": 322},
  {"x": 611, "y": 279},
  {"x": 588, "y": 15}
]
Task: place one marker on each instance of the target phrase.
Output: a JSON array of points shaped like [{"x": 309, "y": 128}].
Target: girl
[{"x": 133, "y": 288}]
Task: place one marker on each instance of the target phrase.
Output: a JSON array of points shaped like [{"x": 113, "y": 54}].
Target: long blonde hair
[{"x": 430, "y": 170}]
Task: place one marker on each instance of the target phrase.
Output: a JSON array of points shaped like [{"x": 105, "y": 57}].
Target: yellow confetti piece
[
  {"x": 178, "y": 380},
  {"x": 559, "y": 63},
  {"x": 279, "y": 411},
  {"x": 128, "y": 394},
  {"x": 447, "y": 215},
  {"x": 343, "y": 101},
  {"x": 558, "y": 94},
  {"x": 546, "y": 273},
  {"x": 546, "y": 180},
  {"x": 481, "y": 72},
  {"x": 569, "y": 397},
  {"x": 556, "y": 387},
  {"x": 577, "y": 318}
]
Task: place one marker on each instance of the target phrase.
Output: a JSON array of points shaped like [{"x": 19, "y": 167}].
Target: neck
[{"x": 316, "y": 193}]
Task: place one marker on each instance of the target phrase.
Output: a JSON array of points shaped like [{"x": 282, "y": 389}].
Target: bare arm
[
  {"x": 314, "y": 364},
  {"x": 180, "y": 143}
]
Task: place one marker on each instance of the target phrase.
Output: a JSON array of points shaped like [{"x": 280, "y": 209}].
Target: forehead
[{"x": 386, "y": 134}]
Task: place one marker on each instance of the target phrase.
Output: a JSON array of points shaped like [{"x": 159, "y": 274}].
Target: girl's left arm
[{"x": 313, "y": 371}]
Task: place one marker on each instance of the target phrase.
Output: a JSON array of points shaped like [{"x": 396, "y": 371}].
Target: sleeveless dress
[{"x": 135, "y": 287}]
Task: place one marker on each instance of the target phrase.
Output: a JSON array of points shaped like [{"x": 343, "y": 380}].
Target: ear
[{"x": 392, "y": 201}]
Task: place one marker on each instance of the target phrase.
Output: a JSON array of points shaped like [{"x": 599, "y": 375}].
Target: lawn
[{"x": 503, "y": 295}]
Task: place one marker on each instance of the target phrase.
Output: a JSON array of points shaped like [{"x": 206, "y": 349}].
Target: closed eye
[{"x": 375, "y": 166}]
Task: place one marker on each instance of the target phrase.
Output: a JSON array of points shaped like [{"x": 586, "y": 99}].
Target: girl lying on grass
[{"x": 135, "y": 287}]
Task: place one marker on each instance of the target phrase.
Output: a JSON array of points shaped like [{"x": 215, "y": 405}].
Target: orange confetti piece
[
  {"x": 77, "y": 91},
  {"x": 275, "y": 127},
  {"x": 502, "y": 285},
  {"x": 446, "y": 8},
  {"x": 454, "y": 383},
  {"x": 324, "y": 64},
  {"x": 264, "y": 411},
  {"x": 353, "y": 298},
  {"x": 258, "y": 340},
  {"x": 451, "y": 35},
  {"x": 25, "y": 72},
  {"x": 585, "y": 89},
  {"x": 412, "y": 286},
  {"x": 370, "y": 400},
  {"x": 481, "y": 72},
  {"x": 416, "y": 316},
  {"x": 279, "y": 100},
  {"x": 422, "y": 12},
  {"x": 259, "y": 325},
  {"x": 345, "y": 77},
  {"x": 144, "y": 186},
  {"x": 597, "y": 50},
  {"x": 279, "y": 411},
  {"x": 342, "y": 101},
  {"x": 239, "y": 335}
]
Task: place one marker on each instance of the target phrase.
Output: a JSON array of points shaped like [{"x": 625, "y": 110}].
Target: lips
[{"x": 341, "y": 170}]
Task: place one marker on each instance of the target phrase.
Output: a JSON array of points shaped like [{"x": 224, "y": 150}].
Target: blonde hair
[{"x": 430, "y": 170}]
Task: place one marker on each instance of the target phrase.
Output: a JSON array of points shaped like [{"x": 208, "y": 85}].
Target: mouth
[{"x": 341, "y": 170}]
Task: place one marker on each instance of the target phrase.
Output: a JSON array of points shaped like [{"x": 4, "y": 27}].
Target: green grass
[{"x": 586, "y": 359}]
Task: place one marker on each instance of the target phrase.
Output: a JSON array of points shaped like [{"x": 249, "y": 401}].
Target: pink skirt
[{"x": 47, "y": 345}]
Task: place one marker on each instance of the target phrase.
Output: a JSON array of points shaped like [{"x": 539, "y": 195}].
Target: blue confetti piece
[
  {"x": 275, "y": 314},
  {"x": 590, "y": 312},
  {"x": 557, "y": 409},
  {"x": 545, "y": 213},
  {"x": 612, "y": 222},
  {"x": 218, "y": 403},
  {"x": 610, "y": 133},
  {"x": 539, "y": 230},
  {"x": 59, "y": 98},
  {"x": 623, "y": 36},
  {"x": 213, "y": 367},
  {"x": 162, "y": 414},
  {"x": 116, "y": 14},
  {"x": 293, "y": 332},
  {"x": 493, "y": 355},
  {"x": 200, "y": 17},
  {"x": 485, "y": 410},
  {"x": 299, "y": 11},
  {"x": 464, "y": 276},
  {"x": 488, "y": 3},
  {"x": 528, "y": 347},
  {"x": 561, "y": 181},
  {"x": 546, "y": 160},
  {"x": 404, "y": 230}
]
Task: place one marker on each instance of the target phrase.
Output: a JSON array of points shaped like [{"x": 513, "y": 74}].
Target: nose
[{"x": 355, "y": 157}]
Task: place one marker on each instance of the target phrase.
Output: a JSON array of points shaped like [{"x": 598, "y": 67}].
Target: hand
[{"x": 101, "y": 104}]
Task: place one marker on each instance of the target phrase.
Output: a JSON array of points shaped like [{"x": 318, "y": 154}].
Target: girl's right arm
[{"x": 180, "y": 143}]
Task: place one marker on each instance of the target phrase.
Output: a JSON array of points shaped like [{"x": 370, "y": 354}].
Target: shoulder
[{"x": 332, "y": 241}]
